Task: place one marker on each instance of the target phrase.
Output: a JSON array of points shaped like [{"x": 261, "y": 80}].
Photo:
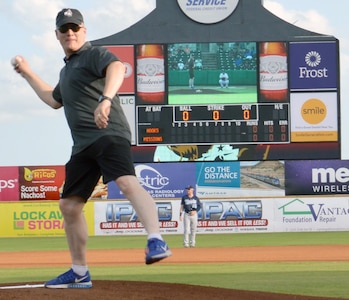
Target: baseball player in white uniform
[{"x": 224, "y": 79}]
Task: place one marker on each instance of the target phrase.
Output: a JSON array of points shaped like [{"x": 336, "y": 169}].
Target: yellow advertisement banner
[
  {"x": 314, "y": 136},
  {"x": 28, "y": 219}
]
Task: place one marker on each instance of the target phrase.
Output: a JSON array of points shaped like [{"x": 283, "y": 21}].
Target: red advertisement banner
[
  {"x": 41, "y": 182},
  {"x": 8, "y": 183},
  {"x": 126, "y": 55}
]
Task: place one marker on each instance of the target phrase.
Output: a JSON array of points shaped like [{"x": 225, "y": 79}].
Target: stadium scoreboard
[
  {"x": 279, "y": 92},
  {"x": 213, "y": 123}
]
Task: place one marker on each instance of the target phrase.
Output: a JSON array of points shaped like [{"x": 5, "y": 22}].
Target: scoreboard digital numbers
[{"x": 214, "y": 123}]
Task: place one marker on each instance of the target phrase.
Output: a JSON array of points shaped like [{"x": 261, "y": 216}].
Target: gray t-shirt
[{"x": 81, "y": 83}]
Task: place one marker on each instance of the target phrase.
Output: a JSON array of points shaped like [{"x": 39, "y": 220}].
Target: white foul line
[{"x": 25, "y": 286}]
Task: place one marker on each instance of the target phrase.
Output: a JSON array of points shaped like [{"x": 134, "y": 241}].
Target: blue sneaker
[
  {"x": 156, "y": 250},
  {"x": 70, "y": 280}
]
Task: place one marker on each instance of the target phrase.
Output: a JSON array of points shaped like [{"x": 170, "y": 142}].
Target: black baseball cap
[
  {"x": 188, "y": 187},
  {"x": 69, "y": 15}
]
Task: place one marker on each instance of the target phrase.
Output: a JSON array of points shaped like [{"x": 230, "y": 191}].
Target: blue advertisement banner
[
  {"x": 210, "y": 179},
  {"x": 165, "y": 180},
  {"x": 218, "y": 174},
  {"x": 317, "y": 177},
  {"x": 313, "y": 65}
]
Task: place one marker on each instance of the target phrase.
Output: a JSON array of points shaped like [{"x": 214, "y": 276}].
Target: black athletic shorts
[{"x": 110, "y": 156}]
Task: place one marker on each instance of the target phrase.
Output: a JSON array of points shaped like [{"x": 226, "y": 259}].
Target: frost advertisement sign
[
  {"x": 311, "y": 214},
  {"x": 166, "y": 180},
  {"x": 313, "y": 66},
  {"x": 317, "y": 177}
]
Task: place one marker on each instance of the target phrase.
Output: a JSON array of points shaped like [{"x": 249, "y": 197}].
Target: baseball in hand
[{"x": 16, "y": 60}]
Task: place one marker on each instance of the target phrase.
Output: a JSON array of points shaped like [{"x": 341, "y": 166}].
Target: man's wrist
[{"x": 102, "y": 98}]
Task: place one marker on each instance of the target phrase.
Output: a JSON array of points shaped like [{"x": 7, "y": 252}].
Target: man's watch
[{"x": 102, "y": 98}]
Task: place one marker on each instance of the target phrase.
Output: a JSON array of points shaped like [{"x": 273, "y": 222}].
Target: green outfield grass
[{"x": 326, "y": 279}]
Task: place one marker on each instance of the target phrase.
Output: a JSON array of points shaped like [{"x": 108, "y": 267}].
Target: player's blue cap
[{"x": 188, "y": 187}]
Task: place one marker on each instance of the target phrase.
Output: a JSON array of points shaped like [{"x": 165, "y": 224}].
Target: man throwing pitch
[
  {"x": 190, "y": 205},
  {"x": 87, "y": 89}
]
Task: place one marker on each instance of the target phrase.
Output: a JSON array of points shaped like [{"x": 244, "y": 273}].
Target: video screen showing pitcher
[{"x": 199, "y": 81}]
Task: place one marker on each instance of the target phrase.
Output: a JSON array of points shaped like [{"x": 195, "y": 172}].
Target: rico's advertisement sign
[
  {"x": 41, "y": 182},
  {"x": 317, "y": 177}
]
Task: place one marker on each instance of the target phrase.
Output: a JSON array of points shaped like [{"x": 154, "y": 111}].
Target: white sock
[
  {"x": 155, "y": 236},
  {"x": 80, "y": 270}
]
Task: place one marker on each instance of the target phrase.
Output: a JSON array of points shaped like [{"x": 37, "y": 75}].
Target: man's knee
[
  {"x": 126, "y": 183},
  {"x": 71, "y": 205}
]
